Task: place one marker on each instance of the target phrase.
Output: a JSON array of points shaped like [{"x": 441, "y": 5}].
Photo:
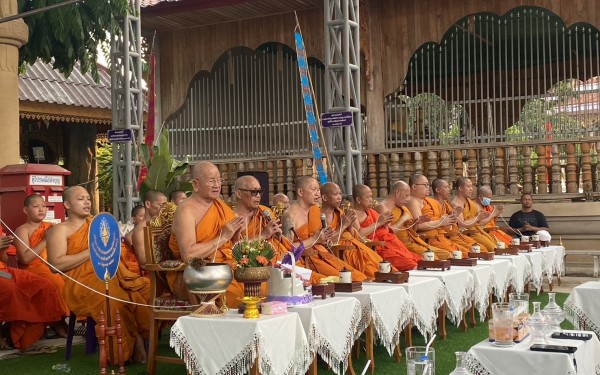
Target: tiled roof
[
  {"x": 150, "y": 3},
  {"x": 43, "y": 84}
]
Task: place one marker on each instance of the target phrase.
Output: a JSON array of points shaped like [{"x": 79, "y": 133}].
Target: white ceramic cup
[
  {"x": 524, "y": 239},
  {"x": 457, "y": 254},
  {"x": 535, "y": 237},
  {"x": 476, "y": 248},
  {"x": 429, "y": 256},
  {"x": 501, "y": 245},
  {"x": 385, "y": 267},
  {"x": 345, "y": 276},
  {"x": 515, "y": 241}
]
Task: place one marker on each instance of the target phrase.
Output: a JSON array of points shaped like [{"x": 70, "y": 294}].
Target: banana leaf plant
[{"x": 164, "y": 172}]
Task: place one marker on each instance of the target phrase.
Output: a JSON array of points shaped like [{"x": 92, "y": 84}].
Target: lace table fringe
[
  {"x": 579, "y": 319},
  {"x": 455, "y": 312},
  {"x": 390, "y": 339},
  {"x": 427, "y": 328}
]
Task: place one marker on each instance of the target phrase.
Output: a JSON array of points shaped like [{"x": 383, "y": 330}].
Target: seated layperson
[
  {"x": 377, "y": 228},
  {"x": 67, "y": 245},
  {"x": 528, "y": 221}
]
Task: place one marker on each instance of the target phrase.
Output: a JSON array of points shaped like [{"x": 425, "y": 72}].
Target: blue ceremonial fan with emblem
[{"x": 104, "y": 240}]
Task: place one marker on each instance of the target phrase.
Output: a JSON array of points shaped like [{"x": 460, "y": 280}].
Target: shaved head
[
  {"x": 328, "y": 187},
  {"x": 438, "y": 183},
  {"x": 203, "y": 168},
  {"x": 304, "y": 181},
  {"x": 70, "y": 192},
  {"x": 154, "y": 195},
  {"x": 484, "y": 190},
  {"x": 415, "y": 178},
  {"x": 243, "y": 182},
  {"x": 397, "y": 186},
  {"x": 31, "y": 198},
  {"x": 359, "y": 191},
  {"x": 462, "y": 181},
  {"x": 280, "y": 198}
]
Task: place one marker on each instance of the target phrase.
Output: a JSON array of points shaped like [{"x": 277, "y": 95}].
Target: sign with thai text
[{"x": 45, "y": 180}]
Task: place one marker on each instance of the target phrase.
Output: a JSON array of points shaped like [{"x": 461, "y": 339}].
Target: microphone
[
  {"x": 323, "y": 221},
  {"x": 267, "y": 216}
]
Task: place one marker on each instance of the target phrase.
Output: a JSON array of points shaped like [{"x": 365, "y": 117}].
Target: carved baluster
[
  {"x": 418, "y": 162},
  {"x": 101, "y": 334},
  {"x": 250, "y": 166},
  {"x": 409, "y": 167},
  {"x": 119, "y": 333},
  {"x": 499, "y": 171},
  {"x": 527, "y": 170},
  {"x": 513, "y": 171},
  {"x": 271, "y": 172},
  {"x": 394, "y": 167},
  {"x": 586, "y": 166},
  {"x": 458, "y": 165},
  {"x": 485, "y": 177},
  {"x": 289, "y": 174},
  {"x": 298, "y": 166},
  {"x": 556, "y": 182},
  {"x": 472, "y": 166},
  {"x": 597, "y": 182},
  {"x": 432, "y": 165},
  {"x": 541, "y": 170},
  {"x": 308, "y": 166},
  {"x": 383, "y": 176},
  {"x": 223, "y": 168},
  {"x": 571, "y": 168},
  {"x": 372, "y": 172},
  {"x": 445, "y": 165}
]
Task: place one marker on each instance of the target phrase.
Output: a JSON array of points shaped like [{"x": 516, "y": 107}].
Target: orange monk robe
[
  {"x": 393, "y": 251},
  {"x": 456, "y": 235},
  {"x": 498, "y": 234},
  {"x": 324, "y": 262},
  {"x": 125, "y": 285},
  {"x": 409, "y": 237},
  {"x": 361, "y": 257},
  {"x": 29, "y": 302},
  {"x": 486, "y": 241},
  {"x": 129, "y": 258},
  {"x": 40, "y": 268},
  {"x": 437, "y": 236},
  {"x": 282, "y": 246}
]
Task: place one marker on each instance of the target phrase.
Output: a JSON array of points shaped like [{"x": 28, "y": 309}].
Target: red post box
[{"x": 20, "y": 180}]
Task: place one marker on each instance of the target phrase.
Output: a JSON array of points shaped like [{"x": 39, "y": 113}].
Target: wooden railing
[{"x": 551, "y": 170}]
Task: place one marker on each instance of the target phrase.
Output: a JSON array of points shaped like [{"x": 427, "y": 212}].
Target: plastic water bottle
[{"x": 61, "y": 367}]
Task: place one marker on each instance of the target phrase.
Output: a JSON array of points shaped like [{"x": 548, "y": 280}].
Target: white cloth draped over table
[
  {"x": 487, "y": 359},
  {"x": 459, "y": 286},
  {"x": 583, "y": 306},
  {"x": 389, "y": 308},
  {"x": 521, "y": 271},
  {"x": 536, "y": 260},
  {"x": 427, "y": 295},
  {"x": 559, "y": 258},
  {"x": 331, "y": 326},
  {"x": 483, "y": 277},
  {"x": 503, "y": 274},
  {"x": 230, "y": 344},
  {"x": 548, "y": 261}
]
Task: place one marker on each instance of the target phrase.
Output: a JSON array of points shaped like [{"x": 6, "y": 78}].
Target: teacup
[
  {"x": 457, "y": 254},
  {"x": 385, "y": 267},
  {"x": 524, "y": 239},
  {"x": 501, "y": 245},
  {"x": 429, "y": 256},
  {"x": 345, "y": 276},
  {"x": 475, "y": 249},
  {"x": 535, "y": 237},
  {"x": 515, "y": 241}
]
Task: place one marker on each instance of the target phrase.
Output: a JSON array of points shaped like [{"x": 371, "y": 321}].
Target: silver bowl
[{"x": 210, "y": 277}]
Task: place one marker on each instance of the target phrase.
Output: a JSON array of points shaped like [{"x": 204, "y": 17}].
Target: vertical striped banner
[{"x": 311, "y": 119}]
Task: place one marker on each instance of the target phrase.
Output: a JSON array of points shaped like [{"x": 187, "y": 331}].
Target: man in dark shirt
[{"x": 528, "y": 221}]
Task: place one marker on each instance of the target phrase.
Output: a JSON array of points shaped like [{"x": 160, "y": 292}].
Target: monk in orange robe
[
  {"x": 470, "y": 216},
  {"x": 435, "y": 231},
  {"x": 347, "y": 229},
  {"x": 403, "y": 223},
  {"x": 138, "y": 215},
  {"x": 153, "y": 201},
  {"x": 68, "y": 251},
  {"x": 484, "y": 200},
  {"x": 305, "y": 216},
  {"x": 33, "y": 235},
  {"x": 376, "y": 228}
]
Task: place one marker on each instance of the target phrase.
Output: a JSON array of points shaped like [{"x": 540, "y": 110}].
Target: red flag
[{"x": 149, "y": 137}]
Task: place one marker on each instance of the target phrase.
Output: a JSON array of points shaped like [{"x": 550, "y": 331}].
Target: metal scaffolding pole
[
  {"x": 127, "y": 110},
  {"x": 342, "y": 90}
]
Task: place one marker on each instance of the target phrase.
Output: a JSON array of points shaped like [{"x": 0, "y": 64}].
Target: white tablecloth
[
  {"x": 536, "y": 260},
  {"x": 331, "y": 326},
  {"x": 483, "y": 277},
  {"x": 557, "y": 259},
  {"x": 459, "y": 287},
  {"x": 521, "y": 271},
  {"x": 230, "y": 344},
  {"x": 548, "y": 261},
  {"x": 583, "y": 306},
  {"x": 503, "y": 274},
  {"x": 389, "y": 308},
  {"x": 427, "y": 294},
  {"x": 487, "y": 359}
]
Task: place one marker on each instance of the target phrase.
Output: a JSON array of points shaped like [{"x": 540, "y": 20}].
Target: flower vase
[
  {"x": 252, "y": 278},
  {"x": 554, "y": 313}
]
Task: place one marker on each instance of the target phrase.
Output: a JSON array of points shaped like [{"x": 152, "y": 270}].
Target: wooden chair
[{"x": 159, "y": 260}]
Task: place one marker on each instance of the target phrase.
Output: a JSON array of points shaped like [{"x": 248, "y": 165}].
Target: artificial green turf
[{"x": 82, "y": 364}]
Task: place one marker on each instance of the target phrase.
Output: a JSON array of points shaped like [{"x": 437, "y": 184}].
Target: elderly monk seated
[
  {"x": 28, "y": 302},
  {"x": 305, "y": 216},
  {"x": 436, "y": 232},
  {"x": 204, "y": 227},
  {"x": 67, "y": 245},
  {"x": 32, "y": 236},
  {"x": 403, "y": 222},
  {"x": 471, "y": 215},
  {"x": 377, "y": 228},
  {"x": 484, "y": 201},
  {"x": 346, "y": 229},
  {"x": 153, "y": 201}
]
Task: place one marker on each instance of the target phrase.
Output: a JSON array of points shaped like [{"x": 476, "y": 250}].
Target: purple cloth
[{"x": 297, "y": 251}]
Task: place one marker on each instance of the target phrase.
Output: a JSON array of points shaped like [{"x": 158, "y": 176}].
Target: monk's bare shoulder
[{"x": 381, "y": 208}]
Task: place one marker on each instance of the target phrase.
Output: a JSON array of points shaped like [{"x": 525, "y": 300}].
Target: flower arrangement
[{"x": 252, "y": 253}]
